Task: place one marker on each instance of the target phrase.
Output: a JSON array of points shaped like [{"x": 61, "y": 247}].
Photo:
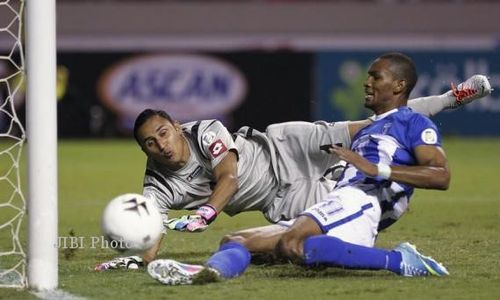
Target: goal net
[{"x": 12, "y": 138}]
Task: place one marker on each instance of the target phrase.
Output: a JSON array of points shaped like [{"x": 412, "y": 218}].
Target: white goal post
[{"x": 41, "y": 129}]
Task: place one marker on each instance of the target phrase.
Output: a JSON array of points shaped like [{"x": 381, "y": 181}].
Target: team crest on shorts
[
  {"x": 429, "y": 136},
  {"x": 217, "y": 148}
]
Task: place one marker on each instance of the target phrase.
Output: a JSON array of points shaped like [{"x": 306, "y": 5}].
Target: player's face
[
  {"x": 164, "y": 142},
  {"x": 379, "y": 87}
]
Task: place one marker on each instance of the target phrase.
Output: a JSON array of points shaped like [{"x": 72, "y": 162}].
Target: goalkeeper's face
[{"x": 164, "y": 142}]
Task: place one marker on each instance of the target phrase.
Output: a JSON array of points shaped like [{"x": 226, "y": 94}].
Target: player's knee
[
  {"x": 290, "y": 247},
  {"x": 233, "y": 237}
]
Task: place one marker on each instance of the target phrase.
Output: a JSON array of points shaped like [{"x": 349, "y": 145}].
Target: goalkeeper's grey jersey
[
  {"x": 280, "y": 172},
  {"x": 191, "y": 186}
]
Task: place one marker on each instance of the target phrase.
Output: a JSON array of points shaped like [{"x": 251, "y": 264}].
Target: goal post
[{"x": 41, "y": 130}]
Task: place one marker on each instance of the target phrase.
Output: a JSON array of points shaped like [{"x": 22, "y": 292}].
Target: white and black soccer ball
[{"x": 131, "y": 223}]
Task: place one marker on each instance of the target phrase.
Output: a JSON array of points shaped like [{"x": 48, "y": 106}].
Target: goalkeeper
[{"x": 201, "y": 166}]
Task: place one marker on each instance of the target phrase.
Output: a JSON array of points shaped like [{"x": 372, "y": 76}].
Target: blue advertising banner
[{"x": 339, "y": 95}]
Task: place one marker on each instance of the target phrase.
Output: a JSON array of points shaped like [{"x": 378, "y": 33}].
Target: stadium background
[
  {"x": 263, "y": 62},
  {"x": 302, "y": 60}
]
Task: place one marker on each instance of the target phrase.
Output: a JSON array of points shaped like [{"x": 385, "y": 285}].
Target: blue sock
[
  {"x": 327, "y": 250},
  {"x": 230, "y": 260}
]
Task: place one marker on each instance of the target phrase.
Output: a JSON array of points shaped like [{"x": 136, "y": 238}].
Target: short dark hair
[
  {"x": 403, "y": 67},
  {"x": 146, "y": 115}
]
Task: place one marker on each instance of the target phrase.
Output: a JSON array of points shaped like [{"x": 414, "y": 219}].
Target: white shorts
[{"x": 348, "y": 214}]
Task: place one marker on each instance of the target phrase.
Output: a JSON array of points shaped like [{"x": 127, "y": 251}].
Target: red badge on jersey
[{"x": 217, "y": 148}]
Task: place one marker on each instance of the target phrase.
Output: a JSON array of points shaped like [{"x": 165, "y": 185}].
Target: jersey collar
[{"x": 381, "y": 116}]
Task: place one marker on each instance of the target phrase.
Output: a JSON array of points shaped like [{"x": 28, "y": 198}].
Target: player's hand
[
  {"x": 189, "y": 223},
  {"x": 194, "y": 223},
  {"x": 361, "y": 163},
  {"x": 128, "y": 262}
]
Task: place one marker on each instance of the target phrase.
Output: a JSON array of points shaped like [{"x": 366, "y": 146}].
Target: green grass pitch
[{"x": 459, "y": 227}]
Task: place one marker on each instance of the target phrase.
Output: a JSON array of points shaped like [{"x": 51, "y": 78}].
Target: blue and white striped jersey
[{"x": 390, "y": 139}]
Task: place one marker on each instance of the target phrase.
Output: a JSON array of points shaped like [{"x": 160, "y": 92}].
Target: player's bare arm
[
  {"x": 226, "y": 175},
  {"x": 432, "y": 171}
]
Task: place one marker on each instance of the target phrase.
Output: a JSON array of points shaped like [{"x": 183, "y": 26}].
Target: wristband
[
  {"x": 384, "y": 171},
  {"x": 207, "y": 212}
]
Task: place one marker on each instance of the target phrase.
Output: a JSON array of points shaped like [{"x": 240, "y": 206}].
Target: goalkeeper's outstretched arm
[{"x": 226, "y": 175}]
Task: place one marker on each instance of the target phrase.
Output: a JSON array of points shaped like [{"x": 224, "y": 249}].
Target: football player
[
  {"x": 398, "y": 151},
  {"x": 281, "y": 172}
]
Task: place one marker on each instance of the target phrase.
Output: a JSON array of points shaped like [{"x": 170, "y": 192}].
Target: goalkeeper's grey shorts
[{"x": 302, "y": 167}]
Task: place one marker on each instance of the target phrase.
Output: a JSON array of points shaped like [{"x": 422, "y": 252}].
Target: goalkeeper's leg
[{"x": 474, "y": 88}]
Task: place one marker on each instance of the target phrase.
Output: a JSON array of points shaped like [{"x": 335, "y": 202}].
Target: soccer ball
[{"x": 131, "y": 223}]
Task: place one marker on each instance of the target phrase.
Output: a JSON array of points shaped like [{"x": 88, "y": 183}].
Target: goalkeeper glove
[
  {"x": 205, "y": 215},
  {"x": 128, "y": 262}
]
